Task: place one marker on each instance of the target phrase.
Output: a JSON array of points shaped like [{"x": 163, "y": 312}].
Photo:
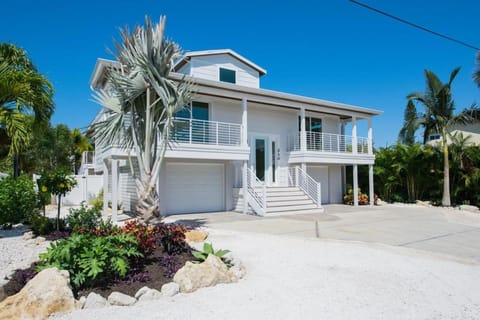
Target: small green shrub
[
  {"x": 17, "y": 199},
  {"x": 42, "y": 225},
  {"x": 208, "y": 250},
  {"x": 91, "y": 260},
  {"x": 97, "y": 202},
  {"x": 83, "y": 219}
]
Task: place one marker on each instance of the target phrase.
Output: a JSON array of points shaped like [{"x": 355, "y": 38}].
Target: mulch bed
[{"x": 152, "y": 274}]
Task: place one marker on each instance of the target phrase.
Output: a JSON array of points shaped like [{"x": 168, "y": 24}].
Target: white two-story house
[{"x": 240, "y": 147}]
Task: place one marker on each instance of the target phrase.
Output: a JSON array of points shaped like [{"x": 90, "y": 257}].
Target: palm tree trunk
[
  {"x": 16, "y": 166},
  {"x": 446, "y": 175}
]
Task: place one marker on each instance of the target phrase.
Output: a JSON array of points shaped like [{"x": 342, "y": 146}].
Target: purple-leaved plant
[{"x": 170, "y": 265}]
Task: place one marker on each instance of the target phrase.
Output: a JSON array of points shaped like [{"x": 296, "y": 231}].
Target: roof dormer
[{"x": 220, "y": 65}]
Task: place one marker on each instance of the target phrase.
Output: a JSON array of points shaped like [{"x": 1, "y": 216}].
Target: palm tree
[
  {"x": 142, "y": 104},
  {"x": 439, "y": 117},
  {"x": 24, "y": 92}
]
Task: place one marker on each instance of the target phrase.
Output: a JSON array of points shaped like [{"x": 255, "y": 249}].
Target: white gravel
[
  {"x": 17, "y": 253},
  {"x": 291, "y": 278}
]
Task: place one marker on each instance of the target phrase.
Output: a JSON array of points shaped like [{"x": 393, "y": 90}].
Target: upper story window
[
  {"x": 227, "y": 75},
  {"x": 197, "y": 110},
  {"x": 311, "y": 124}
]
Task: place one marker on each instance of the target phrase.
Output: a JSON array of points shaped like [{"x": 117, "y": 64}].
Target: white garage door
[{"x": 194, "y": 188}]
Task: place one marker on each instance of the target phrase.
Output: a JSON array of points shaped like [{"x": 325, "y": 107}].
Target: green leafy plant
[
  {"x": 97, "y": 202},
  {"x": 91, "y": 260},
  {"x": 39, "y": 224},
  {"x": 83, "y": 219},
  {"x": 362, "y": 198},
  {"x": 58, "y": 183},
  {"x": 17, "y": 199},
  {"x": 201, "y": 256}
]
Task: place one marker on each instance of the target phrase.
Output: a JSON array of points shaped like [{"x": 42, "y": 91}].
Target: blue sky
[{"x": 331, "y": 50}]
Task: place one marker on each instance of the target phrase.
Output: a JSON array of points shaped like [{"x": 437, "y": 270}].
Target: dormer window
[{"x": 227, "y": 75}]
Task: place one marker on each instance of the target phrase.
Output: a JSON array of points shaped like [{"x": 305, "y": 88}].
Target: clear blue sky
[{"x": 331, "y": 50}]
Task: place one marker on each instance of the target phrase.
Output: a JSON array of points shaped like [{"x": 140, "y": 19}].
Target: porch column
[
  {"x": 371, "y": 195},
  {"x": 370, "y": 136},
  {"x": 244, "y": 123},
  {"x": 303, "y": 133},
  {"x": 105, "y": 189},
  {"x": 354, "y": 135},
  {"x": 114, "y": 190},
  {"x": 355, "y": 185},
  {"x": 304, "y": 167},
  {"x": 245, "y": 186}
]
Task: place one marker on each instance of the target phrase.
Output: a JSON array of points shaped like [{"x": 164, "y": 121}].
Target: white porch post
[
  {"x": 303, "y": 133},
  {"x": 245, "y": 186},
  {"x": 244, "y": 123},
  {"x": 105, "y": 189},
  {"x": 114, "y": 190},
  {"x": 370, "y": 136},
  {"x": 371, "y": 195},
  {"x": 355, "y": 185},
  {"x": 354, "y": 135}
]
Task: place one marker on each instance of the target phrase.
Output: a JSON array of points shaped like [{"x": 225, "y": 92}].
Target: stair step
[
  {"x": 288, "y": 203},
  {"x": 282, "y": 189},
  {"x": 285, "y": 213},
  {"x": 291, "y": 208},
  {"x": 283, "y": 194},
  {"x": 287, "y": 197}
]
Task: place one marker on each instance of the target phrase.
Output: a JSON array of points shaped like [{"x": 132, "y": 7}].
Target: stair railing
[
  {"x": 257, "y": 193},
  {"x": 299, "y": 178}
]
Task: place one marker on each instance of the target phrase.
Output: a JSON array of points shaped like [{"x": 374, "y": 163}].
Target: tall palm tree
[
  {"x": 24, "y": 92},
  {"x": 142, "y": 104},
  {"x": 439, "y": 117},
  {"x": 476, "y": 74}
]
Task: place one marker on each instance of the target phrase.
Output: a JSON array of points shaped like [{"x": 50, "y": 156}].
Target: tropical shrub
[
  {"x": 17, "y": 199},
  {"x": 97, "y": 202},
  {"x": 145, "y": 235},
  {"x": 91, "y": 260},
  {"x": 83, "y": 219},
  {"x": 201, "y": 256},
  {"x": 172, "y": 238},
  {"x": 40, "y": 224},
  {"x": 362, "y": 197}
]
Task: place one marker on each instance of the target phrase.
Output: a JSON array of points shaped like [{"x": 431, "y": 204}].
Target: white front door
[{"x": 264, "y": 157}]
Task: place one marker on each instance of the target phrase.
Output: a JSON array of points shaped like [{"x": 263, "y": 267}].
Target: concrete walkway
[{"x": 444, "y": 231}]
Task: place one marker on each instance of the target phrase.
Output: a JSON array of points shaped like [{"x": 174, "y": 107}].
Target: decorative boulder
[
  {"x": 469, "y": 208},
  {"x": 141, "y": 292},
  {"x": 207, "y": 274},
  {"x": 28, "y": 235},
  {"x": 196, "y": 235},
  {"x": 47, "y": 293},
  {"x": 95, "y": 301},
  {"x": 150, "y": 294},
  {"x": 170, "y": 289},
  {"x": 120, "y": 299}
]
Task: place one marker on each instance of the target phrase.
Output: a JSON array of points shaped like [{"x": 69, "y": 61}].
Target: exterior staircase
[{"x": 282, "y": 201}]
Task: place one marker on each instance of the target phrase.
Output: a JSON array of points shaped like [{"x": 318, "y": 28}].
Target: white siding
[
  {"x": 127, "y": 187},
  {"x": 335, "y": 184},
  {"x": 207, "y": 67}
]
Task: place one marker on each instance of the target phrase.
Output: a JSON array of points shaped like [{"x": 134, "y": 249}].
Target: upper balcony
[
  {"x": 194, "y": 139},
  {"x": 329, "y": 148}
]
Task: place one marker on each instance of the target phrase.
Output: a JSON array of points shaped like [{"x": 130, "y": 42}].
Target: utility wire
[{"x": 463, "y": 43}]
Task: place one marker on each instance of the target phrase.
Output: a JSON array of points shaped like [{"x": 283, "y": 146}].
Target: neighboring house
[
  {"x": 471, "y": 132},
  {"x": 286, "y": 152}
]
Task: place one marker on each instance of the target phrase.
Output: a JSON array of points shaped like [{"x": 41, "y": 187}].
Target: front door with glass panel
[{"x": 263, "y": 157}]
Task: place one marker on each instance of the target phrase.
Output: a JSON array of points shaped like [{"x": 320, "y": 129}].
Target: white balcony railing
[
  {"x": 327, "y": 142},
  {"x": 299, "y": 178},
  {"x": 194, "y": 131}
]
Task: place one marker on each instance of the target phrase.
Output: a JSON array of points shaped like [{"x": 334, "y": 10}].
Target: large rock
[
  {"x": 196, "y": 235},
  {"x": 207, "y": 274},
  {"x": 95, "y": 301},
  {"x": 120, "y": 299},
  {"x": 47, "y": 293},
  {"x": 150, "y": 294}
]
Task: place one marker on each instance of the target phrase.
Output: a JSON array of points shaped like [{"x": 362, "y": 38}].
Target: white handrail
[
  {"x": 328, "y": 142},
  {"x": 257, "y": 193},
  {"x": 299, "y": 178}
]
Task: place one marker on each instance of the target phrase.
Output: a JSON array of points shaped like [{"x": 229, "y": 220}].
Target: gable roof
[{"x": 186, "y": 57}]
